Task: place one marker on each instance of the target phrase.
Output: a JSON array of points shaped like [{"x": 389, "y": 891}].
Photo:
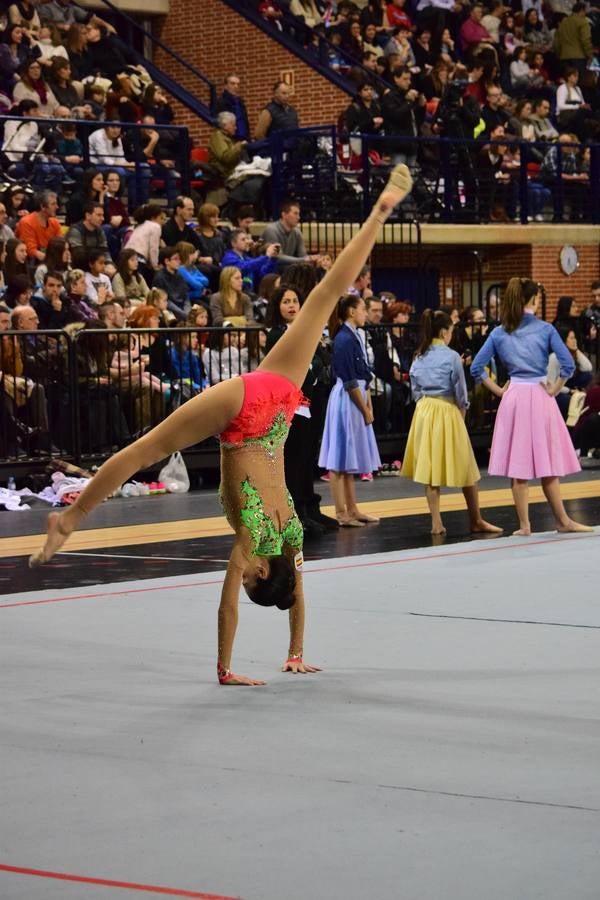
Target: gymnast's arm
[
  {"x": 228, "y": 619},
  {"x": 294, "y": 662}
]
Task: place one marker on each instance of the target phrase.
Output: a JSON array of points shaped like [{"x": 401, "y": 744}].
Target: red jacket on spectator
[{"x": 397, "y": 17}]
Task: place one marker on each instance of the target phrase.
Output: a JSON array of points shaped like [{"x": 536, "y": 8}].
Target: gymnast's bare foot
[
  {"x": 570, "y": 527},
  {"x": 438, "y": 528},
  {"x": 482, "y": 527},
  {"x": 524, "y": 531},
  {"x": 57, "y": 535}
]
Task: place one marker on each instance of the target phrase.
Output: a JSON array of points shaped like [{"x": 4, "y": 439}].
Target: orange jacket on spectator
[{"x": 34, "y": 235}]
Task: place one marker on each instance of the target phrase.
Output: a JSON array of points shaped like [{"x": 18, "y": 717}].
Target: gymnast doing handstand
[{"x": 251, "y": 414}]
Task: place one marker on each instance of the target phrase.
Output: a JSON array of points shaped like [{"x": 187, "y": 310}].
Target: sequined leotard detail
[{"x": 253, "y": 491}]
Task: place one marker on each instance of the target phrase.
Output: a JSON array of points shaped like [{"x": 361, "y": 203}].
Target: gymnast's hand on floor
[{"x": 297, "y": 666}]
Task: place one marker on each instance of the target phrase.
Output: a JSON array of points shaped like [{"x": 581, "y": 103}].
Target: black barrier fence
[{"x": 82, "y": 395}]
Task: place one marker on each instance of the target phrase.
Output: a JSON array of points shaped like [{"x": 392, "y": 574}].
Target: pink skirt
[{"x": 530, "y": 437}]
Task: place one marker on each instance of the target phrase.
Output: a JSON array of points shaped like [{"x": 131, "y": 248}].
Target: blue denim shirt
[
  {"x": 525, "y": 351},
  {"x": 439, "y": 373},
  {"x": 349, "y": 360}
]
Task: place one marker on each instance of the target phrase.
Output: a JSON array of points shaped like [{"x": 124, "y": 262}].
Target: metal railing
[{"x": 81, "y": 395}]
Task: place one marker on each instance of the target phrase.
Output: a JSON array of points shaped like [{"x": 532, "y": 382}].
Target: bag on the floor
[{"x": 175, "y": 475}]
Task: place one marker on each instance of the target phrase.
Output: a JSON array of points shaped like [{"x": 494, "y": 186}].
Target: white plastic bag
[{"x": 174, "y": 475}]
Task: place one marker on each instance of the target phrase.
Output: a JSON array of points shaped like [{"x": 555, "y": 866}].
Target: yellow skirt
[{"x": 438, "y": 450}]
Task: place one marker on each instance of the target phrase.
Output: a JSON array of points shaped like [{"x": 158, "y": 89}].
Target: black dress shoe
[{"x": 312, "y": 529}]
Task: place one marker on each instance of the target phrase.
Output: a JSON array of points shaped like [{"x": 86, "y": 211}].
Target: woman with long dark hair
[
  {"x": 93, "y": 188},
  {"x": 58, "y": 259},
  {"x": 252, "y": 414},
  {"x": 530, "y": 437},
  {"x": 14, "y": 50},
  {"x": 438, "y": 450},
  {"x": 33, "y": 86},
  {"x": 15, "y": 262},
  {"x": 128, "y": 282}
]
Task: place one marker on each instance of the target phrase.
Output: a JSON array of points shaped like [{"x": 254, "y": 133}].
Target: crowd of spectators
[{"x": 435, "y": 68}]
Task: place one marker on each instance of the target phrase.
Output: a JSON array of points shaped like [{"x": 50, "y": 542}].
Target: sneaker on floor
[
  {"x": 539, "y": 218},
  {"x": 366, "y": 476}
]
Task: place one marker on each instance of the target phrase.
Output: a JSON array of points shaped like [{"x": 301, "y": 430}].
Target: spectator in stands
[
  {"x": 540, "y": 119},
  {"x": 397, "y": 15},
  {"x": 403, "y": 110},
  {"x": 424, "y": 53},
  {"x": 145, "y": 237},
  {"x": 22, "y": 145},
  {"x": 492, "y": 112},
  {"x": 590, "y": 318},
  {"x": 286, "y": 234},
  {"x": 19, "y": 359},
  {"x": 211, "y": 246},
  {"x": 582, "y": 375},
  {"x": 170, "y": 280},
  {"x": 93, "y": 188},
  {"x": 571, "y": 108},
  {"x": 106, "y": 152},
  {"x": 15, "y": 259},
  {"x": 473, "y": 36},
  {"x": 57, "y": 259},
  {"x": 573, "y": 183},
  {"x": 277, "y": 115},
  {"x": 25, "y": 14},
  {"x": 14, "y": 50},
  {"x": 231, "y": 101},
  {"x": 88, "y": 234},
  {"x": 106, "y": 53},
  {"x": 33, "y": 86},
  {"x": 224, "y": 151},
  {"x": 62, "y": 14},
  {"x": 230, "y": 302},
  {"x": 197, "y": 282},
  {"x": 308, "y": 10},
  {"x": 69, "y": 149},
  {"x": 434, "y": 84},
  {"x": 18, "y": 291},
  {"x": 363, "y": 116},
  {"x": 129, "y": 283},
  {"x": 567, "y": 317},
  {"x": 48, "y": 302},
  {"x": 400, "y": 47},
  {"x": 60, "y": 80},
  {"x": 155, "y": 103},
  {"x": 116, "y": 219},
  {"x": 522, "y": 77},
  {"x": 252, "y": 268},
  {"x": 38, "y": 228},
  {"x": 573, "y": 39},
  {"x": 179, "y": 227},
  {"x": 112, "y": 315},
  {"x": 80, "y": 307},
  {"x": 361, "y": 286},
  {"x": 6, "y": 232},
  {"x": 97, "y": 283},
  {"x": 160, "y": 151},
  {"x": 493, "y": 181},
  {"x": 492, "y": 20},
  {"x": 536, "y": 33}
]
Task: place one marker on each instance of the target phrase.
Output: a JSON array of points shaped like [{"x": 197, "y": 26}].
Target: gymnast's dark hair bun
[{"x": 278, "y": 588}]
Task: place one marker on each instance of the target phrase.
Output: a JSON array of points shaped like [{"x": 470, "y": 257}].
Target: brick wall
[{"x": 218, "y": 40}]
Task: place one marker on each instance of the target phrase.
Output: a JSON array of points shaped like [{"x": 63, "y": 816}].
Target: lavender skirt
[
  {"x": 348, "y": 445},
  {"x": 530, "y": 437}
]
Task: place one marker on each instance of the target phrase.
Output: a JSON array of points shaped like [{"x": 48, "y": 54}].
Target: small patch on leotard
[{"x": 298, "y": 561}]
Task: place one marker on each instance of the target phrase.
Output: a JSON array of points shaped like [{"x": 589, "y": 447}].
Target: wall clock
[{"x": 569, "y": 259}]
